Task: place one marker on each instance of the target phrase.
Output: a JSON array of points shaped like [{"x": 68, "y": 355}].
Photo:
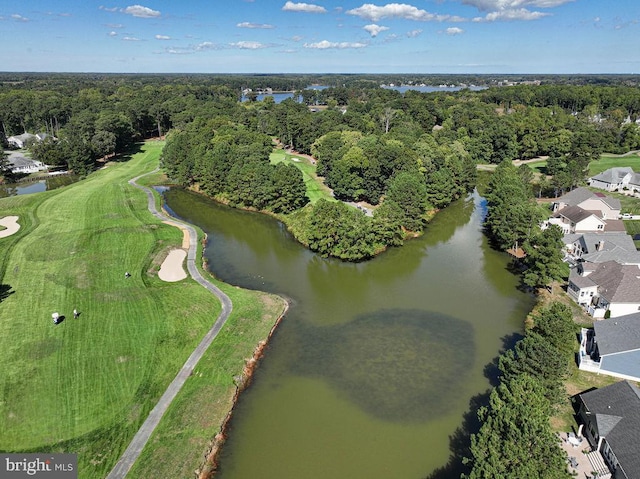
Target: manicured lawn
[
  {"x": 85, "y": 385},
  {"x": 607, "y": 161},
  {"x": 538, "y": 166},
  {"x": 316, "y": 189}
]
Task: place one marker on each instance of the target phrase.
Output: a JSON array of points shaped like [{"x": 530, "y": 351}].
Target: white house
[
  {"x": 574, "y": 219},
  {"x": 20, "y": 164},
  {"x": 600, "y": 248},
  {"x": 608, "y": 207},
  {"x": 20, "y": 141},
  {"x": 616, "y": 179},
  {"x": 607, "y": 286}
]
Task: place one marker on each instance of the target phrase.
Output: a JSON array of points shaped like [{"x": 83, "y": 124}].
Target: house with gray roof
[
  {"x": 20, "y": 141},
  {"x": 610, "y": 418},
  {"x": 20, "y": 164},
  {"x": 608, "y": 286},
  {"x": 615, "y": 179},
  {"x": 612, "y": 347},
  {"x": 600, "y": 248},
  {"x": 608, "y": 207},
  {"x": 574, "y": 219}
]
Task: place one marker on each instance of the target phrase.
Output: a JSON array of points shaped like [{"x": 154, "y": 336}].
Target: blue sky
[{"x": 324, "y": 36}]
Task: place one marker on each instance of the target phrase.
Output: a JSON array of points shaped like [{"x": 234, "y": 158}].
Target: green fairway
[
  {"x": 607, "y": 161},
  {"x": 316, "y": 189},
  {"x": 85, "y": 385}
]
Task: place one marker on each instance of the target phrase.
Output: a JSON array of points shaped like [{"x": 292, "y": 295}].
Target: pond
[
  {"x": 26, "y": 188},
  {"x": 375, "y": 364}
]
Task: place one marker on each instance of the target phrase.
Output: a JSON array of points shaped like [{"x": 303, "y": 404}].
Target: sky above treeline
[{"x": 324, "y": 36}]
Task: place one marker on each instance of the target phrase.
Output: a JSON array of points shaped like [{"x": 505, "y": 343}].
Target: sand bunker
[
  {"x": 171, "y": 269},
  {"x": 11, "y": 225}
]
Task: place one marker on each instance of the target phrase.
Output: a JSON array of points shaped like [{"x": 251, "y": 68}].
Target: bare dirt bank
[{"x": 209, "y": 467}]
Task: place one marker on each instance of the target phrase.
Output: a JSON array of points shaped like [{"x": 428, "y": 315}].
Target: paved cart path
[{"x": 138, "y": 442}]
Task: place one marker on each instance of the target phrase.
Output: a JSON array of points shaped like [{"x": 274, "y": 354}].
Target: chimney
[{"x": 600, "y": 246}]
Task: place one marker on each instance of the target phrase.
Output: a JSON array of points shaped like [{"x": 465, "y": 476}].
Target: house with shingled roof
[
  {"x": 608, "y": 207},
  {"x": 600, "y": 248},
  {"x": 616, "y": 179},
  {"x": 608, "y": 286},
  {"x": 610, "y": 418},
  {"x": 612, "y": 347},
  {"x": 574, "y": 219}
]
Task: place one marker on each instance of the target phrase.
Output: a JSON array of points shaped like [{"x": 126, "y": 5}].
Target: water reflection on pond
[{"x": 26, "y": 188}]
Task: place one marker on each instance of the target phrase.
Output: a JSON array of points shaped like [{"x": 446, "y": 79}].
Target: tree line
[
  {"x": 406, "y": 154},
  {"x": 515, "y": 439}
]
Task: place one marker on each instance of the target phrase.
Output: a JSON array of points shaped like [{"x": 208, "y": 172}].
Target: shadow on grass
[
  {"x": 128, "y": 153},
  {"x": 5, "y": 292}
]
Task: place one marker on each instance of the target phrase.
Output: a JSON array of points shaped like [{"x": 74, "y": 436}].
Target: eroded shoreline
[{"x": 209, "y": 468}]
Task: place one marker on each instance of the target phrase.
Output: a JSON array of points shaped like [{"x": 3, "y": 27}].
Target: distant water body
[{"x": 280, "y": 97}]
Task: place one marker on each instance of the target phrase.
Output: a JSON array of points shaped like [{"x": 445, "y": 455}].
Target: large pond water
[{"x": 375, "y": 364}]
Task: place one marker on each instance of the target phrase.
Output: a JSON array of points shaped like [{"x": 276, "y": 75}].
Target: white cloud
[
  {"x": 519, "y": 14},
  {"x": 324, "y": 44},
  {"x": 303, "y": 7},
  {"x": 141, "y": 12},
  {"x": 163, "y": 37},
  {"x": 254, "y": 25},
  {"x": 296, "y": 38},
  {"x": 496, "y": 5},
  {"x": 114, "y": 25},
  {"x": 414, "y": 33},
  {"x": 19, "y": 18},
  {"x": 248, "y": 45},
  {"x": 191, "y": 49},
  {"x": 374, "y": 29},
  {"x": 454, "y": 31},
  {"x": 205, "y": 46},
  {"x": 512, "y": 9},
  {"x": 108, "y": 9},
  {"x": 375, "y": 13},
  {"x": 131, "y": 39},
  {"x": 113, "y": 34}
]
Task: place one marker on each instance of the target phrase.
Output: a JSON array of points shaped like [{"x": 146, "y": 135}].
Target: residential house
[
  {"x": 574, "y": 219},
  {"x": 20, "y": 164},
  {"x": 611, "y": 423},
  {"x": 608, "y": 207},
  {"x": 600, "y": 248},
  {"x": 612, "y": 347},
  {"x": 20, "y": 141},
  {"x": 607, "y": 286},
  {"x": 616, "y": 179}
]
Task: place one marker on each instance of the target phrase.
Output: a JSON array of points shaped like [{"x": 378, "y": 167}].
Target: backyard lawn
[{"x": 85, "y": 385}]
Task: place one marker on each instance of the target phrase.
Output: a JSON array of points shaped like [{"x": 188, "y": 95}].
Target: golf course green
[{"x": 85, "y": 385}]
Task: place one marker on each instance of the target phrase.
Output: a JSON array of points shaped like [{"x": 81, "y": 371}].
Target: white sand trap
[
  {"x": 11, "y": 223},
  {"x": 171, "y": 269}
]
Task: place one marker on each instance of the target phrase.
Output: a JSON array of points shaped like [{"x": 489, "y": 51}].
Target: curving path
[{"x": 138, "y": 442}]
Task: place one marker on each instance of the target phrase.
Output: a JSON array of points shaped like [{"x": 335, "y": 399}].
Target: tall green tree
[
  {"x": 515, "y": 440},
  {"x": 544, "y": 258}
]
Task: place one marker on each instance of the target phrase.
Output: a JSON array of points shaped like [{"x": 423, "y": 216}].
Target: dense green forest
[{"x": 406, "y": 155}]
